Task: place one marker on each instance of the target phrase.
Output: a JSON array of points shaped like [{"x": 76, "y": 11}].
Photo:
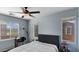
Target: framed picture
[{"x": 68, "y": 28}]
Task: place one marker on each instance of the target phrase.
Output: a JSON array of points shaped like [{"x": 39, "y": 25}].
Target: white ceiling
[{"x": 43, "y": 10}]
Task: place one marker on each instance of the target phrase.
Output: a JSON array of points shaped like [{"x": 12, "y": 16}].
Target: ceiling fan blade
[
  {"x": 31, "y": 15},
  {"x": 34, "y": 12},
  {"x": 15, "y": 12}
]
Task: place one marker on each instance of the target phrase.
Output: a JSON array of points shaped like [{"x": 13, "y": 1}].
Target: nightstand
[
  {"x": 20, "y": 41},
  {"x": 64, "y": 49}
]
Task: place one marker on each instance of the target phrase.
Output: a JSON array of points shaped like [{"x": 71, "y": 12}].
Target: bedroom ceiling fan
[{"x": 26, "y": 12}]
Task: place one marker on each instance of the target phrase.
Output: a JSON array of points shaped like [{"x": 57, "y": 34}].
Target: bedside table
[
  {"x": 20, "y": 41},
  {"x": 64, "y": 49}
]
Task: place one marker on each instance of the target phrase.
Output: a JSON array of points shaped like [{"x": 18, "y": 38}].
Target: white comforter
[{"x": 35, "y": 46}]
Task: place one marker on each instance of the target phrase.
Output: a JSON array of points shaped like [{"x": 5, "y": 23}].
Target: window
[{"x": 9, "y": 30}]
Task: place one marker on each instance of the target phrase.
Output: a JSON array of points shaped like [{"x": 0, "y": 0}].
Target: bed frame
[{"x": 50, "y": 39}]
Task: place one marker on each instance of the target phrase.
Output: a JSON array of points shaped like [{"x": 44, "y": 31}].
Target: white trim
[{"x": 68, "y": 18}]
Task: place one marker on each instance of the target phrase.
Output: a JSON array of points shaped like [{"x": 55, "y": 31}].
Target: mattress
[{"x": 36, "y": 46}]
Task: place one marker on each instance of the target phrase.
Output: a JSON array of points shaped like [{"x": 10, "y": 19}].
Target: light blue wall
[
  {"x": 7, "y": 44},
  {"x": 51, "y": 24},
  {"x": 48, "y": 25}
]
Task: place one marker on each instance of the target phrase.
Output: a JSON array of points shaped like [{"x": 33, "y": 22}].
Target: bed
[{"x": 45, "y": 43}]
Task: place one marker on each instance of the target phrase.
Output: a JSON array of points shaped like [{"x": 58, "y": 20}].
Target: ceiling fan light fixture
[{"x": 25, "y": 12}]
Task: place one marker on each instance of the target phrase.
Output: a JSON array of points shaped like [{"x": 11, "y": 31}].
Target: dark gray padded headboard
[{"x": 50, "y": 39}]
